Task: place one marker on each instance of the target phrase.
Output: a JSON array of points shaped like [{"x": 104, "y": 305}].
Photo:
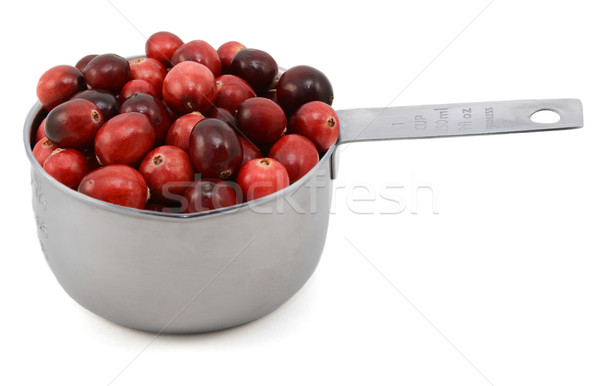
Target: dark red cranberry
[
  {"x": 188, "y": 87},
  {"x": 271, "y": 94},
  {"x": 154, "y": 110},
  {"x": 215, "y": 149},
  {"x": 231, "y": 91},
  {"x": 300, "y": 85},
  {"x": 150, "y": 70},
  {"x": 90, "y": 156},
  {"x": 297, "y": 153},
  {"x": 73, "y": 123},
  {"x": 318, "y": 122},
  {"x": 261, "y": 120},
  {"x": 117, "y": 184},
  {"x": 42, "y": 149},
  {"x": 223, "y": 115},
  {"x": 105, "y": 101},
  {"x": 168, "y": 171},
  {"x": 107, "y": 72},
  {"x": 260, "y": 177},
  {"x": 179, "y": 132},
  {"x": 201, "y": 52},
  {"x": 161, "y": 46},
  {"x": 249, "y": 150},
  {"x": 84, "y": 62},
  {"x": 137, "y": 86},
  {"x": 125, "y": 139},
  {"x": 41, "y": 131},
  {"x": 58, "y": 85},
  {"x": 256, "y": 67},
  {"x": 67, "y": 166},
  {"x": 226, "y": 53},
  {"x": 157, "y": 207},
  {"x": 208, "y": 194}
]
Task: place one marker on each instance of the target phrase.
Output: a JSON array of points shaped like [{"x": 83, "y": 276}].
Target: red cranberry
[
  {"x": 260, "y": 177},
  {"x": 302, "y": 84},
  {"x": 179, "y": 132},
  {"x": 201, "y": 52},
  {"x": 150, "y": 70},
  {"x": 84, "y": 62},
  {"x": 256, "y": 67},
  {"x": 42, "y": 149},
  {"x": 188, "y": 87},
  {"x": 117, "y": 184},
  {"x": 226, "y": 53},
  {"x": 137, "y": 86},
  {"x": 249, "y": 150},
  {"x": 125, "y": 139},
  {"x": 223, "y": 115},
  {"x": 215, "y": 149},
  {"x": 68, "y": 166},
  {"x": 157, "y": 207},
  {"x": 107, "y": 72},
  {"x": 58, "y": 84},
  {"x": 73, "y": 123},
  {"x": 271, "y": 94},
  {"x": 168, "y": 171},
  {"x": 154, "y": 110},
  {"x": 261, "y": 120},
  {"x": 297, "y": 153},
  {"x": 318, "y": 122},
  {"x": 231, "y": 91},
  {"x": 208, "y": 194},
  {"x": 41, "y": 131},
  {"x": 105, "y": 101},
  {"x": 161, "y": 46}
]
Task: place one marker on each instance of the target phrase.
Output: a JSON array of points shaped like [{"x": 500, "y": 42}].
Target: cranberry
[
  {"x": 90, "y": 156},
  {"x": 261, "y": 120},
  {"x": 137, "y": 86},
  {"x": 226, "y": 53},
  {"x": 41, "y": 131},
  {"x": 84, "y": 62},
  {"x": 201, "y": 52},
  {"x": 154, "y": 110},
  {"x": 262, "y": 176},
  {"x": 58, "y": 84},
  {"x": 302, "y": 84},
  {"x": 168, "y": 171},
  {"x": 271, "y": 94},
  {"x": 105, "y": 101},
  {"x": 42, "y": 149},
  {"x": 256, "y": 67},
  {"x": 157, "y": 207},
  {"x": 318, "y": 122},
  {"x": 231, "y": 91},
  {"x": 125, "y": 139},
  {"x": 68, "y": 166},
  {"x": 208, "y": 194},
  {"x": 297, "y": 153},
  {"x": 215, "y": 149},
  {"x": 161, "y": 46},
  {"x": 179, "y": 132},
  {"x": 249, "y": 150},
  {"x": 107, "y": 72},
  {"x": 223, "y": 115},
  {"x": 117, "y": 184},
  {"x": 150, "y": 70},
  {"x": 73, "y": 123},
  {"x": 189, "y": 86}
]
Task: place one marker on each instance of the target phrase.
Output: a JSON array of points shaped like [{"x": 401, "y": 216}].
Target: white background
[{"x": 501, "y": 287}]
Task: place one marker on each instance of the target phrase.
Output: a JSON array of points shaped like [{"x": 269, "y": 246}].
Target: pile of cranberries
[{"x": 185, "y": 129}]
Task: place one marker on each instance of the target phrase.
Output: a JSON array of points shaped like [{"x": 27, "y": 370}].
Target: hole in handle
[{"x": 545, "y": 116}]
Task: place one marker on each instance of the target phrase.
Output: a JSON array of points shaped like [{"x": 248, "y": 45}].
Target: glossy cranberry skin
[
  {"x": 249, "y": 150},
  {"x": 256, "y": 67},
  {"x": 318, "y": 122},
  {"x": 154, "y": 110},
  {"x": 271, "y": 94},
  {"x": 300, "y": 85},
  {"x": 260, "y": 177},
  {"x": 41, "y": 131},
  {"x": 208, "y": 194},
  {"x": 215, "y": 149},
  {"x": 297, "y": 153},
  {"x": 117, "y": 184},
  {"x": 161, "y": 46},
  {"x": 42, "y": 149},
  {"x": 179, "y": 132},
  {"x": 107, "y": 72},
  {"x": 125, "y": 139},
  {"x": 73, "y": 123},
  {"x": 58, "y": 85},
  {"x": 67, "y": 166},
  {"x": 188, "y": 87},
  {"x": 201, "y": 52},
  {"x": 84, "y": 62},
  {"x": 150, "y": 70},
  {"x": 226, "y": 53},
  {"x": 231, "y": 91},
  {"x": 168, "y": 171},
  {"x": 137, "y": 86},
  {"x": 105, "y": 101},
  {"x": 261, "y": 120},
  {"x": 223, "y": 115}
]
